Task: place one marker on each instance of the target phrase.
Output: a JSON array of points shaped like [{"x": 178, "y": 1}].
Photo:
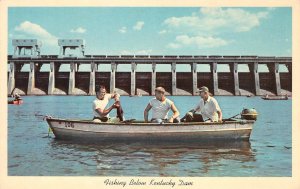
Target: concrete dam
[{"x": 176, "y": 82}]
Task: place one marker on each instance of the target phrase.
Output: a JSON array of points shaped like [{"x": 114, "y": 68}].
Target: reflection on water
[{"x": 171, "y": 159}]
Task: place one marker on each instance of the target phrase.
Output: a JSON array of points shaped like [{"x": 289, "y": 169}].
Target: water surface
[{"x": 32, "y": 153}]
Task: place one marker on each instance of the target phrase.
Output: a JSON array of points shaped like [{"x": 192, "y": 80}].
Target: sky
[{"x": 262, "y": 31}]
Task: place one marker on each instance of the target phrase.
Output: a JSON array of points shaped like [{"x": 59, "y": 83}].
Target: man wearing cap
[
  {"x": 160, "y": 107},
  {"x": 208, "y": 109}
]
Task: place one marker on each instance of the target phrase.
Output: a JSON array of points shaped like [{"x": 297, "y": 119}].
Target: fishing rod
[{"x": 228, "y": 119}]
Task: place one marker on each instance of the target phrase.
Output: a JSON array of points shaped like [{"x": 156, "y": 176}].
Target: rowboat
[
  {"x": 15, "y": 102},
  {"x": 87, "y": 130},
  {"x": 275, "y": 97}
]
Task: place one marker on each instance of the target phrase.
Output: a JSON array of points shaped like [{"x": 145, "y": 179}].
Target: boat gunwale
[
  {"x": 156, "y": 132},
  {"x": 242, "y": 121}
]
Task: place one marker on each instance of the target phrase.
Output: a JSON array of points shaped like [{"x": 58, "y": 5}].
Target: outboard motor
[{"x": 249, "y": 114}]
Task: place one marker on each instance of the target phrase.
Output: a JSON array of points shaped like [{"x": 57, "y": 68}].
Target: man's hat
[{"x": 203, "y": 89}]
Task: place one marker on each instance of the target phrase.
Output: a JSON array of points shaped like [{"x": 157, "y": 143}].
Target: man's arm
[
  {"x": 220, "y": 116},
  {"x": 146, "y": 112},
  {"x": 115, "y": 96},
  {"x": 175, "y": 113},
  {"x": 218, "y": 109},
  {"x": 104, "y": 112}
]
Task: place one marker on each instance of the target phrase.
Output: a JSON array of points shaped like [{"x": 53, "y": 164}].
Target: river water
[{"x": 31, "y": 152}]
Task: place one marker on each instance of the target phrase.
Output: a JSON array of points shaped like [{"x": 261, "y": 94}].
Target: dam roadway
[{"x": 175, "y": 81}]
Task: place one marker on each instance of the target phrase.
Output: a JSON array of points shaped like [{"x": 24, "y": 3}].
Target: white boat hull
[{"x": 88, "y": 130}]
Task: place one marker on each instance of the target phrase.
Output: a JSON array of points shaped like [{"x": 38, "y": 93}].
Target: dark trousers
[
  {"x": 153, "y": 120},
  {"x": 192, "y": 117},
  {"x": 102, "y": 119}
]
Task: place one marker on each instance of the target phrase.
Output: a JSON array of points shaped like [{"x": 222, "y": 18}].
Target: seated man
[
  {"x": 17, "y": 96},
  {"x": 208, "y": 109},
  {"x": 101, "y": 114},
  {"x": 160, "y": 107}
]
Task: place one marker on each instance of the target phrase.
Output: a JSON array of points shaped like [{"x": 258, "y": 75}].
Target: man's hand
[
  {"x": 171, "y": 120},
  {"x": 116, "y": 104},
  {"x": 116, "y": 96}
]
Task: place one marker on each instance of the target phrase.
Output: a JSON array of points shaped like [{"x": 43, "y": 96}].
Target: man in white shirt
[
  {"x": 160, "y": 108},
  {"x": 208, "y": 109},
  {"x": 101, "y": 113}
]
